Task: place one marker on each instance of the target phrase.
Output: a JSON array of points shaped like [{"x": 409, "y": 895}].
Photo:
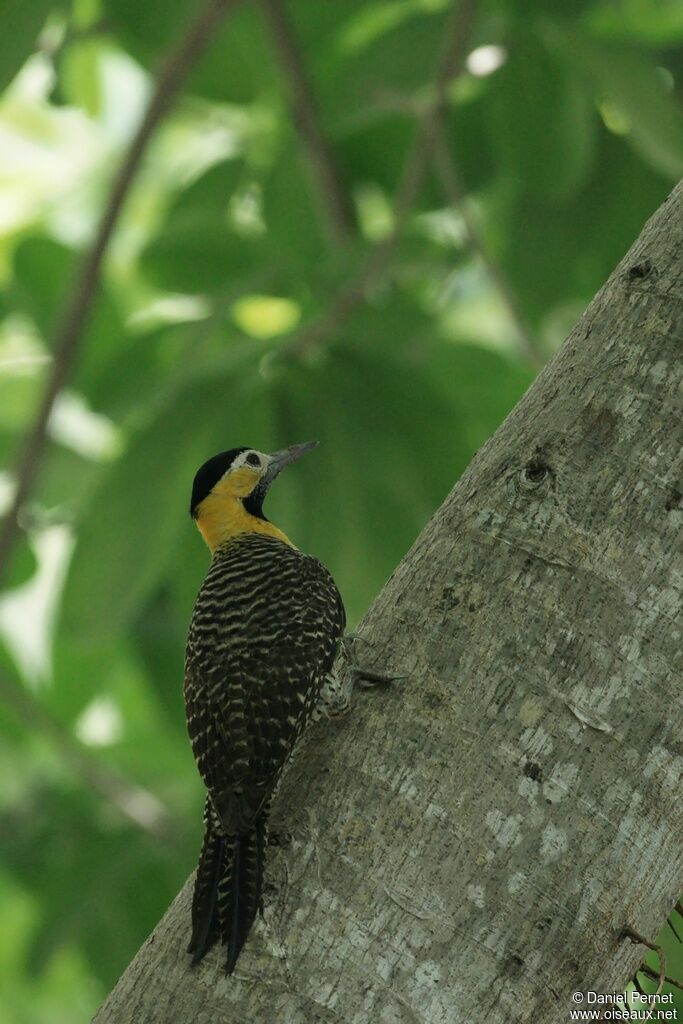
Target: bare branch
[
  {"x": 135, "y": 803},
  {"x": 669, "y": 980},
  {"x": 634, "y": 936},
  {"x": 673, "y": 928},
  {"x": 334, "y": 201},
  {"x": 449, "y": 176},
  {"x": 172, "y": 75},
  {"x": 411, "y": 180}
]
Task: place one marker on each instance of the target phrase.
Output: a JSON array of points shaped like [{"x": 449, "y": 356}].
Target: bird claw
[
  {"x": 353, "y": 636},
  {"x": 369, "y": 680},
  {"x": 365, "y": 678}
]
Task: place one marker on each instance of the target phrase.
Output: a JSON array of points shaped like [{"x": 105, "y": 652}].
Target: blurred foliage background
[{"x": 308, "y": 251}]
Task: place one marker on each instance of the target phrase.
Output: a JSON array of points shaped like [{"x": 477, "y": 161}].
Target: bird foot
[
  {"x": 362, "y": 677},
  {"x": 335, "y": 696}
]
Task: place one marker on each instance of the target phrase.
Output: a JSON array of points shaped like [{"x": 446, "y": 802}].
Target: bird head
[{"x": 229, "y": 490}]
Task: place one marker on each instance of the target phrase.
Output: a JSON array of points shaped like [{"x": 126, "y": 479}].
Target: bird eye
[{"x": 252, "y": 459}]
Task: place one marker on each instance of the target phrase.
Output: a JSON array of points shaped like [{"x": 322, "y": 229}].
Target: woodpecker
[{"x": 264, "y": 632}]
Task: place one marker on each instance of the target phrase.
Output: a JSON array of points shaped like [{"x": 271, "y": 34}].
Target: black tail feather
[
  {"x": 239, "y": 891},
  {"x": 235, "y": 926},
  {"x": 205, "y": 927},
  {"x": 228, "y": 890}
]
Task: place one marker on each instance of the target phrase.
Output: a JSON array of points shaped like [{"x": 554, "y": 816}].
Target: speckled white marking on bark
[
  {"x": 560, "y": 783},
  {"x": 528, "y": 789},
  {"x": 475, "y": 893},
  {"x": 516, "y": 882},
  {"x": 553, "y": 842},
  {"x": 506, "y": 831}
]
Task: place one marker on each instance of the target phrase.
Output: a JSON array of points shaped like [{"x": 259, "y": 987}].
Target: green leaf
[
  {"x": 481, "y": 384},
  {"x": 81, "y": 672},
  {"x": 468, "y": 135},
  {"x": 19, "y": 396},
  {"x": 66, "y": 481},
  {"x": 624, "y": 80},
  {"x": 122, "y": 382},
  {"x": 292, "y": 214},
  {"x": 148, "y": 30},
  {"x": 381, "y": 470},
  {"x": 22, "y": 24},
  {"x": 80, "y": 75},
  {"x": 44, "y": 272},
  {"x": 22, "y": 565},
  {"x": 159, "y": 633},
  {"x": 238, "y": 66},
  {"x": 569, "y": 250},
  {"x": 376, "y": 152},
  {"x": 96, "y": 870},
  {"x": 375, "y": 20},
  {"x": 541, "y": 121},
  {"x": 640, "y": 21},
  {"x": 198, "y": 249},
  {"x": 358, "y": 75},
  {"x": 139, "y": 513},
  {"x": 201, "y": 250}
]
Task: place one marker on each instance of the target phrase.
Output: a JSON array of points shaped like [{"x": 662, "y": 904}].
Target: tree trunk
[{"x": 468, "y": 845}]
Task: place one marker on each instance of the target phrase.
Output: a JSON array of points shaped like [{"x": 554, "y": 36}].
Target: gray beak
[{"x": 278, "y": 460}]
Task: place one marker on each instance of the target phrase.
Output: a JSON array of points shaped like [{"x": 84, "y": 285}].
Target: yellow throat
[{"x": 222, "y": 515}]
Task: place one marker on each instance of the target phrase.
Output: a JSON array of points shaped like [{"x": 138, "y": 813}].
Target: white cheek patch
[{"x": 241, "y": 461}]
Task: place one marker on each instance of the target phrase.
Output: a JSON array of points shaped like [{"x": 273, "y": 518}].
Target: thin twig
[
  {"x": 414, "y": 170},
  {"x": 334, "y": 200},
  {"x": 638, "y": 987},
  {"x": 634, "y": 936},
  {"x": 449, "y": 176},
  {"x": 644, "y": 969},
  {"x": 134, "y": 802},
  {"x": 172, "y": 75},
  {"x": 673, "y": 928}
]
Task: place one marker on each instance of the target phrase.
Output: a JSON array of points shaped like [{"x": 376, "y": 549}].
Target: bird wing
[{"x": 255, "y": 670}]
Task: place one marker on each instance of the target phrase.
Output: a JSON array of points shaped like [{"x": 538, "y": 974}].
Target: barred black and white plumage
[{"x": 262, "y": 641}]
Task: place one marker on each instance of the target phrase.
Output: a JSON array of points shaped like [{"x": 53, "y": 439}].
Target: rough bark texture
[{"x": 468, "y": 848}]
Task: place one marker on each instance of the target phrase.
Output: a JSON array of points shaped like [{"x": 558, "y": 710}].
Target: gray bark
[{"x": 468, "y": 847}]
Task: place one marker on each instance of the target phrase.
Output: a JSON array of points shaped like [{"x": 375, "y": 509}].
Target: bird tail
[{"x": 228, "y": 889}]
